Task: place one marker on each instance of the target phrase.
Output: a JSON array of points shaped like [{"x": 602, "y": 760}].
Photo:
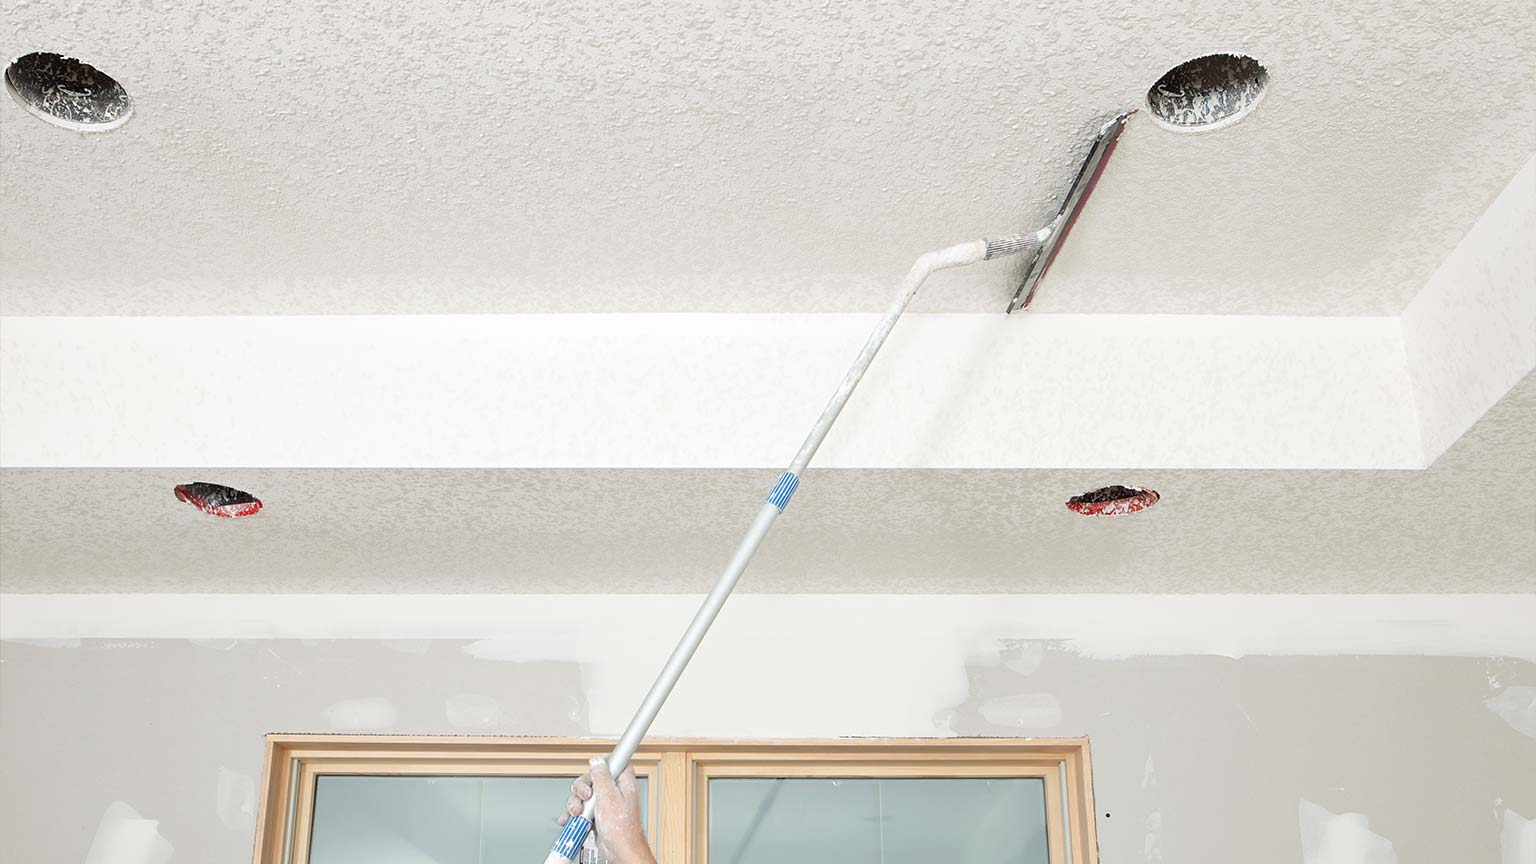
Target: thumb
[
  {"x": 603, "y": 787},
  {"x": 627, "y": 786}
]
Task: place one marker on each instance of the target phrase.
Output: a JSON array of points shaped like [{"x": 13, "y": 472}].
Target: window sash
[{"x": 678, "y": 771}]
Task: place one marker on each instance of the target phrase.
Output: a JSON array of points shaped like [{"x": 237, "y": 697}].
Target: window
[{"x": 331, "y": 799}]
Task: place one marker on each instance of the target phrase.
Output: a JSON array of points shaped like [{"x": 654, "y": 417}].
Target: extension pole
[{"x": 568, "y": 843}]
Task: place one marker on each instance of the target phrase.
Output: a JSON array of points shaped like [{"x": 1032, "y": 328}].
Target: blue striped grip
[
  {"x": 568, "y": 844},
  {"x": 783, "y": 490}
]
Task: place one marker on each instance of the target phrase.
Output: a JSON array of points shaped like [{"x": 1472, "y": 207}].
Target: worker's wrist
[{"x": 632, "y": 849}]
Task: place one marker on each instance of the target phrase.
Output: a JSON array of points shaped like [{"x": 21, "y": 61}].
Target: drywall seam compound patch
[
  {"x": 361, "y": 715},
  {"x": 472, "y": 711},
  {"x": 235, "y": 800},
  {"x": 1517, "y": 840},
  {"x": 1152, "y": 820},
  {"x": 125, "y": 837},
  {"x": 1340, "y": 838},
  {"x": 1517, "y": 707},
  {"x": 1023, "y": 657},
  {"x": 1152, "y": 842},
  {"x": 1031, "y": 711}
]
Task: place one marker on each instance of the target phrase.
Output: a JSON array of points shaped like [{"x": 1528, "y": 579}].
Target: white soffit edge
[
  {"x": 705, "y": 391},
  {"x": 1471, "y": 333}
]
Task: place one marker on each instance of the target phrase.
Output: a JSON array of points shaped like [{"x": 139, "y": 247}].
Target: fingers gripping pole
[{"x": 568, "y": 844}]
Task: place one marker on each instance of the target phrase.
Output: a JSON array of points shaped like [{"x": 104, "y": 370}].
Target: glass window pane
[
  {"x": 901, "y": 821},
  {"x": 437, "y": 820}
]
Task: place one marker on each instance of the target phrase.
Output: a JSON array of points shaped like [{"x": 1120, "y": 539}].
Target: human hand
[{"x": 615, "y": 815}]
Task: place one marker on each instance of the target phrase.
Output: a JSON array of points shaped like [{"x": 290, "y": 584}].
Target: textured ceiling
[
  {"x": 1463, "y": 525},
  {"x": 734, "y": 156},
  {"x": 641, "y": 156}
]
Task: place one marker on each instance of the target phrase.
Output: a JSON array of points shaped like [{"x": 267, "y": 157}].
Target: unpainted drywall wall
[{"x": 1197, "y": 758}]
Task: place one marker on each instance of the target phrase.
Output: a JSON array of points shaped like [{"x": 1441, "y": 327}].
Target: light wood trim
[
  {"x": 304, "y": 814},
  {"x": 699, "y": 852},
  {"x": 678, "y": 771},
  {"x": 1055, "y": 852},
  {"x": 672, "y": 806},
  {"x": 1080, "y": 818},
  {"x": 504, "y": 768},
  {"x": 1085, "y": 833},
  {"x": 865, "y": 770},
  {"x": 894, "y": 757},
  {"x": 274, "y": 773},
  {"x": 587, "y": 746}
]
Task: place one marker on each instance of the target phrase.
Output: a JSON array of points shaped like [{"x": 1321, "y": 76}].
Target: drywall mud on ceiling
[{"x": 748, "y": 156}]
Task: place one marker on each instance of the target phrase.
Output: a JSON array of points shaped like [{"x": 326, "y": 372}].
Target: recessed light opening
[
  {"x": 1207, "y": 92},
  {"x": 217, "y": 500},
  {"x": 68, "y": 93},
  {"x": 1112, "y": 501}
]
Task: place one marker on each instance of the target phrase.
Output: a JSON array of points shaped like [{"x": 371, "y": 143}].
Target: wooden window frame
[{"x": 678, "y": 773}]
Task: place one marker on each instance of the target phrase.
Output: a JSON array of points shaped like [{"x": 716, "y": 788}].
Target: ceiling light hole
[
  {"x": 1112, "y": 501},
  {"x": 218, "y": 500},
  {"x": 68, "y": 93},
  {"x": 1208, "y": 92}
]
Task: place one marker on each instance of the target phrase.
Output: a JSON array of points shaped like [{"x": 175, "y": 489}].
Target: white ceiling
[
  {"x": 740, "y": 156},
  {"x": 767, "y": 157},
  {"x": 1463, "y": 525}
]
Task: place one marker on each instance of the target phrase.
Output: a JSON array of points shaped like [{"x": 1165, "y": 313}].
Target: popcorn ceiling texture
[
  {"x": 638, "y": 156},
  {"x": 1463, "y": 525}
]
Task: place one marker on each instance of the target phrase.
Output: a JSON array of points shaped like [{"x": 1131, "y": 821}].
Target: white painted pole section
[
  {"x": 954, "y": 256},
  {"x": 568, "y": 844}
]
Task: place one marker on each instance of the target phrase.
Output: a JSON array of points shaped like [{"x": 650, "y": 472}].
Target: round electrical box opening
[
  {"x": 68, "y": 93},
  {"x": 1112, "y": 501},
  {"x": 216, "y": 499},
  {"x": 1207, "y": 92}
]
